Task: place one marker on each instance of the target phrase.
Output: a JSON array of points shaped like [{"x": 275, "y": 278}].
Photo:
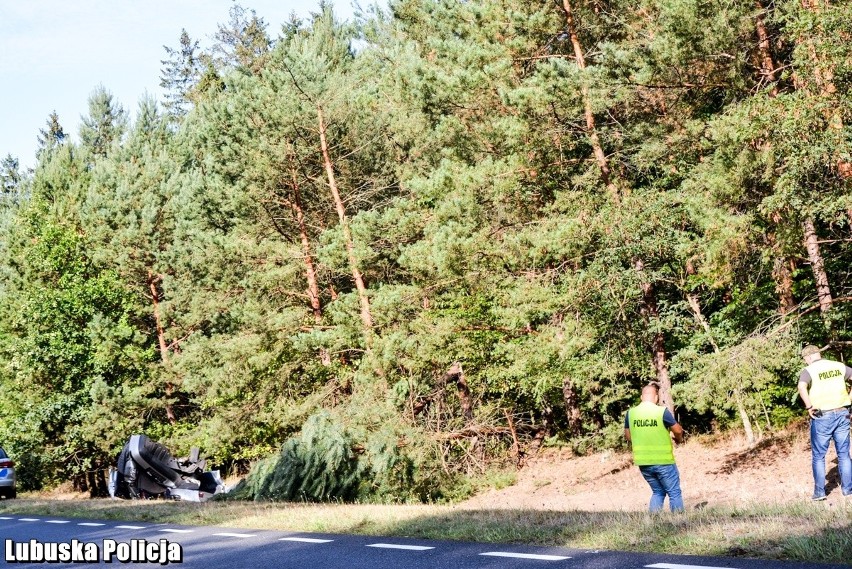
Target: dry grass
[
  {"x": 743, "y": 500},
  {"x": 815, "y": 532}
]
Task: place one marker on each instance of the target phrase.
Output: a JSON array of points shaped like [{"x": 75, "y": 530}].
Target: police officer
[
  {"x": 647, "y": 427},
  {"x": 822, "y": 387}
]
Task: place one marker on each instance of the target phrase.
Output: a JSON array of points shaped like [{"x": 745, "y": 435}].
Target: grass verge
[{"x": 806, "y": 532}]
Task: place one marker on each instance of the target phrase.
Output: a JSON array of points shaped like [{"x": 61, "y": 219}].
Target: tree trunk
[
  {"x": 310, "y": 271},
  {"x": 366, "y": 315},
  {"x": 516, "y": 445},
  {"x": 572, "y": 407},
  {"x": 456, "y": 372},
  {"x": 161, "y": 341},
  {"x": 783, "y": 275},
  {"x": 591, "y": 129},
  {"x": 659, "y": 358},
  {"x": 818, "y": 266},
  {"x": 749, "y": 431},
  {"x": 782, "y": 270},
  {"x": 658, "y": 350},
  {"x": 767, "y": 64},
  {"x": 661, "y": 368}
]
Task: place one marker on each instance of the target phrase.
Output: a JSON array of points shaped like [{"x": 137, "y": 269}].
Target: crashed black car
[{"x": 146, "y": 469}]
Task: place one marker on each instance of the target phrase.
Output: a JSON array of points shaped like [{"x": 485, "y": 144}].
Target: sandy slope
[{"x": 713, "y": 472}]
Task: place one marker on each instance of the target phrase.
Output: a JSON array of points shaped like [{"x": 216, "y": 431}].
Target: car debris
[{"x": 145, "y": 469}]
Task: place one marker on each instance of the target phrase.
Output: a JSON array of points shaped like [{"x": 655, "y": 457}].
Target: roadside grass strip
[
  {"x": 398, "y": 546},
  {"x": 766, "y": 531},
  {"x": 534, "y": 556}
]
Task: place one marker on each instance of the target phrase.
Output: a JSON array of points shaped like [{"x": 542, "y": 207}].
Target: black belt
[{"x": 838, "y": 410}]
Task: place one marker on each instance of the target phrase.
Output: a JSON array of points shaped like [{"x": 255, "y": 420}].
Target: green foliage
[
  {"x": 71, "y": 355},
  {"x": 744, "y": 373},
  {"x": 529, "y": 229}
]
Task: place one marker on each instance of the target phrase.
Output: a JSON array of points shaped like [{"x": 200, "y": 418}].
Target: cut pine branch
[{"x": 695, "y": 306}]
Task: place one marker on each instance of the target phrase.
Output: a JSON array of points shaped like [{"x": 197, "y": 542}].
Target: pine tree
[
  {"x": 243, "y": 42},
  {"x": 10, "y": 175},
  {"x": 129, "y": 219},
  {"x": 180, "y": 74},
  {"x": 104, "y": 125},
  {"x": 52, "y": 136}
]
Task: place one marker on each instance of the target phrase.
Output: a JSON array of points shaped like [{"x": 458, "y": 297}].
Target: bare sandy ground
[{"x": 714, "y": 472}]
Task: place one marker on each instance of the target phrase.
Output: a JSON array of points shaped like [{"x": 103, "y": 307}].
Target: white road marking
[
  {"x": 525, "y": 556},
  {"x": 91, "y": 524},
  {"x": 678, "y": 566},
  {"x": 28, "y": 519},
  {"x": 306, "y": 539},
  {"x": 129, "y": 527},
  {"x": 57, "y": 522},
  {"x": 172, "y": 530},
  {"x": 397, "y": 546},
  {"x": 236, "y": 534},
  {"x": 5, "y": 518}
]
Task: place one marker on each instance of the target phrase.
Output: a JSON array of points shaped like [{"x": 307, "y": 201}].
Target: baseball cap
[{"x": 809, "y": 350}]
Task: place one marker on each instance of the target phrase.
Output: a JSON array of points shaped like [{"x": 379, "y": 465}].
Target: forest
[{"x": 371, "y": 260}]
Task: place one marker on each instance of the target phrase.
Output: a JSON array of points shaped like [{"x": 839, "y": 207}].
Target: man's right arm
[
  {"x": 847, "y": 376},
  {"x": 673, "y": 426},
  {"x": 677, "y": 432},
  {"x": 804, "y": 383}
]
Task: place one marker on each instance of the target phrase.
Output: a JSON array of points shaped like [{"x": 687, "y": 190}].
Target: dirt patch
[{"x": 720, "y": 472}]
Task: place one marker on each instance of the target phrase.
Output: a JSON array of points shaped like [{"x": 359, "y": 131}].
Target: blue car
[{"x": 8, "y": 486}]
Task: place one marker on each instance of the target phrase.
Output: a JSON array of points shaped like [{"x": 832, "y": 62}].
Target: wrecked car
[{"x": 146, "y": 469}]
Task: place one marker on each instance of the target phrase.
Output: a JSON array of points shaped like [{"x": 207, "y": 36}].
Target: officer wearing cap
[{"x": 822, "y": 387}]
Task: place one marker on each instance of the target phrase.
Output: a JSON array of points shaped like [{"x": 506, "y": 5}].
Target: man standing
[
  {"x": 647, "y": 427},
  {"x": 822, "y": 387}
]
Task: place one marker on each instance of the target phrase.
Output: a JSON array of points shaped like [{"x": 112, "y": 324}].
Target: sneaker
[{"x": 816, "y": 498}]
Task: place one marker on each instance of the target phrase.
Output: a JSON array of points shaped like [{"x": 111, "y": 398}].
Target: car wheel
[{"x": 13, "y": 493}]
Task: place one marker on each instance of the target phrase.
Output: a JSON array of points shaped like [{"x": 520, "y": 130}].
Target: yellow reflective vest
[
  {"x": 649, "y": 437},
  {"x": 828, "y": 384}
]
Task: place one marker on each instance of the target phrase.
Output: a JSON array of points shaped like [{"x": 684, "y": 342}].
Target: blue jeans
[
  {"x": 663, "y": 479},
  {"x": 831, "y": 426}
]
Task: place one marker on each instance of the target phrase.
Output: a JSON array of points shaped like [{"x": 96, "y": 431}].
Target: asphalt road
[{"x": 215, "y": 547}]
